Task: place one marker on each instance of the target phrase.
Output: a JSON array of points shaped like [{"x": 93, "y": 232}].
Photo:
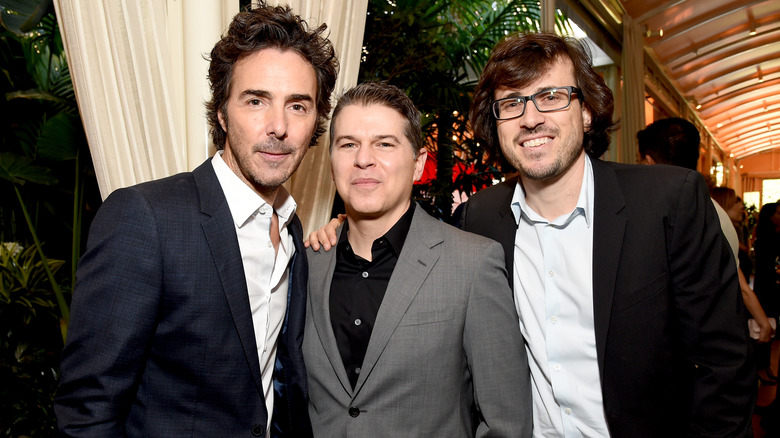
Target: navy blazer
[
  {"x": 161, "y": 341},
  {"x": 671, "y": 337}
]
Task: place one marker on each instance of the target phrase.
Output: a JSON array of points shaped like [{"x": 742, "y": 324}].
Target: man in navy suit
[{"x": 188, "y": 312}]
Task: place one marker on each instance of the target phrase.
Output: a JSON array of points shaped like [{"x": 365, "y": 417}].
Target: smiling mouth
[{"x": 536, "y": 142}]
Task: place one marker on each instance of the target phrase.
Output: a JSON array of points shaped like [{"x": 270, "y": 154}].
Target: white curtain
[
  {"x": 633, "y": 113},
  {"x": 140, "y": 78}
]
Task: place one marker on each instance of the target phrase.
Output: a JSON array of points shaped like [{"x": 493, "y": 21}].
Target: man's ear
[
  {"x": 649, "y": 160},
  {"x": 221, "y": 118},
  {"x": 419, "y": 164},
  {"x": 586, "y": 118}
]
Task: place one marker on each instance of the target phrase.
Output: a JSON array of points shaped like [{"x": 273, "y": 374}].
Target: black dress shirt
[{"x": 358, "y": 288}]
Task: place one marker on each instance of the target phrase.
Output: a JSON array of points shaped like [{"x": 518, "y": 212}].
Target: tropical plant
[
  {"x": 45, "y": 167},
  {"x": 29, "y": 359},
  {"x": 434, "y": 50}
]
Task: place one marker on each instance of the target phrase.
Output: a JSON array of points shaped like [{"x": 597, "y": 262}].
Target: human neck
[
  {"x": 551, "y": 198},
  {"x": 365, "y": 229}
]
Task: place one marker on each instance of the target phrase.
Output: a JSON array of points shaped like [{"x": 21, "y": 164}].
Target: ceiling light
[
  {"x": 653, "y": 33},
  {"x": 760, "y": 74},
  {"x": 752, "y": 29}
]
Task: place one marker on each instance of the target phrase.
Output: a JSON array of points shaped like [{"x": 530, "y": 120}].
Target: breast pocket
[
  {"x": 427, "y": 317},
  {"x": 641, "y": 294}
]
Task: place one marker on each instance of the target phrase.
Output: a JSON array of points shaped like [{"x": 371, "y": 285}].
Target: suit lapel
[
  {"x": 321, "y": 267},
  {"x": 414, "y": 264},
  {"x": 609, "y": 228},
  {"x": 221, "y": 237}
]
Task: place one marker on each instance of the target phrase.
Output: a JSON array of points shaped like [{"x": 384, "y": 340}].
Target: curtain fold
[
  {"x": 633, "y": 108},
  {"x": 140, "y": 79}
]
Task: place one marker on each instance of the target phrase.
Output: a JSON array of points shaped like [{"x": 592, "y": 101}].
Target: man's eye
[
  {"x": 254, "y": 102},
  {"x": 512, "y": 104},
  {"x": 298, "y": 107}
]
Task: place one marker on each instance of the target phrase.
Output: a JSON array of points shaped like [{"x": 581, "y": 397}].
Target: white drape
[
  {"x": 633, "y": 108},
  {"x": 140, "y": 78}
]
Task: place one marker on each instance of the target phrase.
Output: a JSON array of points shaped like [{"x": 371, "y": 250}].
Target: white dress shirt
[
  {"x": 266, "y": 270},
  {"x": 553, "y": 288}
]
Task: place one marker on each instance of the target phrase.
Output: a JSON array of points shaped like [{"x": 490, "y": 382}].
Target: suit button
[
  {"x": 354, "y": 411},
  {"x": 258, "y": 430}
]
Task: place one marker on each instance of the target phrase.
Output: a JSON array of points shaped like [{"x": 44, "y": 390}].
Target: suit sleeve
[
  {"x": 711, "y": 316},
  {"x": 495, "y": 351},
  {"x": 113, "y": 316}
]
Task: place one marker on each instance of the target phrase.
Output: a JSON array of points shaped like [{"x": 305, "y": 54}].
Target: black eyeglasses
[{"x": 552, "y": 99}]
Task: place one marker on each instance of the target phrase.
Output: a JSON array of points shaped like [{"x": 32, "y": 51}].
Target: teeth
[{"x": 536, "y": 142}]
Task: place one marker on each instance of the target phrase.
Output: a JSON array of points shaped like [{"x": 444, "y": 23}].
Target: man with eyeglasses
[{"x": 627, "y": 297}]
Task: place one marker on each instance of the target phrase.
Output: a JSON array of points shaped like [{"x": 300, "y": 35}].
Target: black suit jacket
[
  {"x": 161, "y": 340},
  {"x": 671, "y": 337}
]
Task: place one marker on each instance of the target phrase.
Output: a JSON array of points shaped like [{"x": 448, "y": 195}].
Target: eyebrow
[
  {"x": 374, "y": 138},
  {"x": 268, "y": 95},
  {"x": 538, "y": 90}
]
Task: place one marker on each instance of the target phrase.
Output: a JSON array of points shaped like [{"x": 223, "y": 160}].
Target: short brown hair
[
  {"x": 516, "y": 62},
  {"x": 382, "y": 93},
  {"x": 269, "y": 27}
]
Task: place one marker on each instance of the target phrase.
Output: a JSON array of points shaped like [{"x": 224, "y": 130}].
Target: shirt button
[
  {"x": 269, "y": 244},
  {"x": 554, "y": 319},
  {"x": 358, "y": 321},
  {"x": 551, "y": 273},
  {"x": 354, "y": 411},
  {"x": 357, "y": 370},
  {"x": 557, "y": 367},
  {"x": 568, "y": 411},
  {"x": 364, "y": 274}
]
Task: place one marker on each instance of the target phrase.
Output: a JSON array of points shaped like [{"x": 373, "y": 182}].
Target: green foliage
[
  {"x": 434, "y": 50},
  {"x": 45, "y": 171},
  {"x": 19, "y": 16},
  {"x": 29, "y": 343}
]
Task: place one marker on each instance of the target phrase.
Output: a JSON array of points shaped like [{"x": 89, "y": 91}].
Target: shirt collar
[
  {"x": 395, "y": 236},
  {"x": 245, "y": 202},
  {"x": 584, "y": 205}
]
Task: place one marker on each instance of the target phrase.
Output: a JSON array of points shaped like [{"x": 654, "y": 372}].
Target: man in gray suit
[{"x": 410, "y": 327}]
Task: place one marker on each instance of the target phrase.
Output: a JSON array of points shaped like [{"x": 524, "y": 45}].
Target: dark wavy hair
[
  {"x": 520, "y": 59},
  {"x": 382, "y": 93},
  {"x": 765, "y": 228},
  {"x": 270, "y": 27},
  {"x": 672, "y": 141}
]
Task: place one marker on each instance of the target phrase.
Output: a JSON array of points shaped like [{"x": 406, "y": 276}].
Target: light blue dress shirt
[{"x": 553, "y": 282}]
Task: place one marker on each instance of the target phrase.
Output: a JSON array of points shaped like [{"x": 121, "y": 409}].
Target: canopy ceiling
[{"x": 724, "y": 57}]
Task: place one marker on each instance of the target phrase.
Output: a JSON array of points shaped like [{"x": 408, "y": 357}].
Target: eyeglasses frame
[{"x": 571, "y": 89}]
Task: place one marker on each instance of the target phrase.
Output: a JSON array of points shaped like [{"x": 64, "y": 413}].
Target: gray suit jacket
[{"x": 446, "y": 356}]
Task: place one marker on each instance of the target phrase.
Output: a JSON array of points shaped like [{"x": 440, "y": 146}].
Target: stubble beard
[{"x": 564, "y": 159}]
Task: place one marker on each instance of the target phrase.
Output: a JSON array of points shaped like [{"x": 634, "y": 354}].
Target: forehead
[
  {"x": 369, "y": 119},
  {"x": 279, "y": 72},
  {"x": 559, "y": 73}
]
